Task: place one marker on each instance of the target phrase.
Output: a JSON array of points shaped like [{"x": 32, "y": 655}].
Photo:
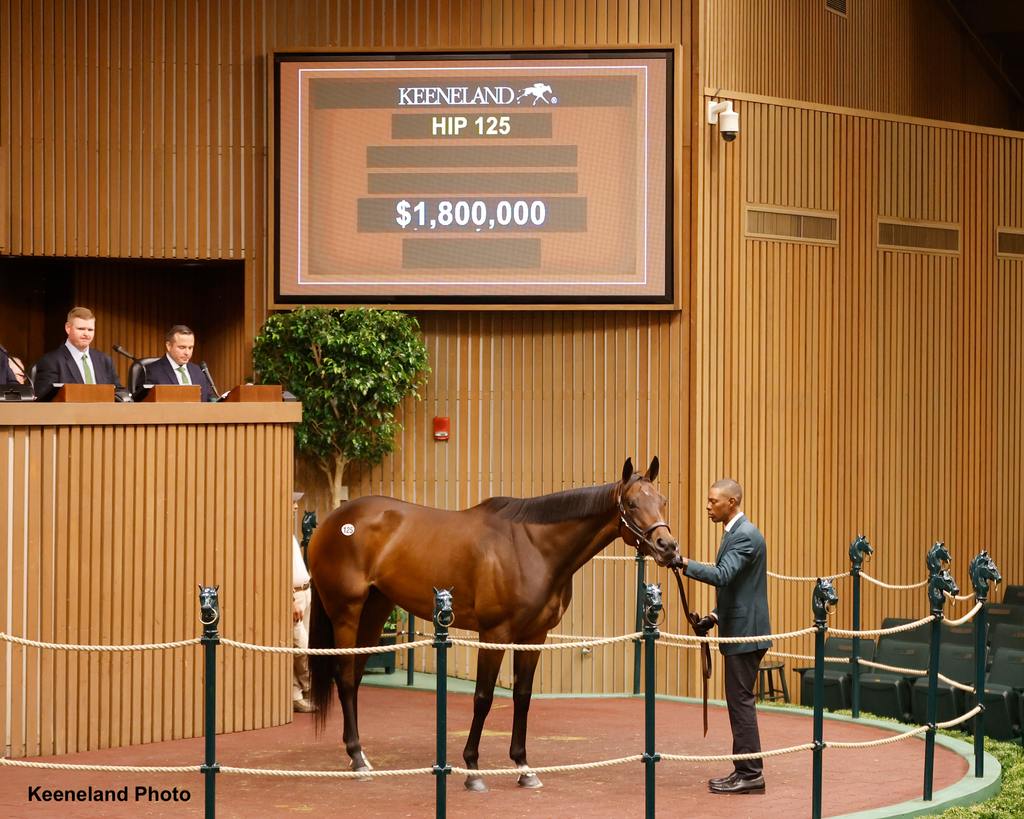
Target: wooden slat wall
[
  {"x": 152, "y": 143},
  {"x": 111, "y": 529},
  {"x": 909, "y": 57},
  {"x": 853, "y": 389}
]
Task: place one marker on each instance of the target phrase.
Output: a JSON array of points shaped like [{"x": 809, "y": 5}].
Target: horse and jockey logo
[{"x": 540, "y": 92}]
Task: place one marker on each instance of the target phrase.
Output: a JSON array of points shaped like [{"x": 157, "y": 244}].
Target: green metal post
[
  {"x": 933, "y": 682},
  {"x": 821, "y": 626},
  {"x": 637, "y": 644},
  {"x": 443, "y": 618},
  {"x": 855, "y": 654},
  {"x": 652, "y": 610},
  {"x": 859, "y": 548},
  {"x": 980, "y": 630},
  {"x": 983, "y": 570},
  {"x": 410, "y": 654},
  {"x": 209, "y": 616}
]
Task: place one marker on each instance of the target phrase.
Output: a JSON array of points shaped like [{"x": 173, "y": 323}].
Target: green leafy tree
[{"x": 350, "y": 369}]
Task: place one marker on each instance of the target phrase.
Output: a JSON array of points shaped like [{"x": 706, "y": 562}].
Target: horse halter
[{"x": 641, "y": 535}]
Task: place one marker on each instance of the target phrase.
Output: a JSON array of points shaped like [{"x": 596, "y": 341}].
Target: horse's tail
[{"x": 322, "y": 668}]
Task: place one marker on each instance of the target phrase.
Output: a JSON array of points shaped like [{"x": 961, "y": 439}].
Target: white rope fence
[
  {"x": 813, "y": 579},
  {"x": 61, "y": 766},
  {"x": 885, "y": 585},
  {"x": 24, "y": 641}
]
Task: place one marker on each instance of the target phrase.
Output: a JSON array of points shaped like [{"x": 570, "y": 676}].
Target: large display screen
[{"x": 474, "y": 178}]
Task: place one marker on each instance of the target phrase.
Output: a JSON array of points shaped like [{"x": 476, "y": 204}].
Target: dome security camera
[
  {"x": 720, "y": 113},
  {"x": 729, "y": 125}
]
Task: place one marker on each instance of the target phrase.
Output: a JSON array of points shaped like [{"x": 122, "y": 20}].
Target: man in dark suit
[
  {"x": 6, "y": 373},
  {"x": 74, "y": 362},
  {"x": 176, "y": 367},
  {"x": 740, "y": 574}
]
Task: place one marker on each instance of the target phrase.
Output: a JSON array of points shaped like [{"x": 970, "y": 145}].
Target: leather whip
[{"x": 705, "y": 648}]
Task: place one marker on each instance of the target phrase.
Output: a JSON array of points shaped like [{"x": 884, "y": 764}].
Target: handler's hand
[{"x": 704, "y": 625}]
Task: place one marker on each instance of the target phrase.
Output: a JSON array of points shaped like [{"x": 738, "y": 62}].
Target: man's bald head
[{"x": 724, "y": 499}]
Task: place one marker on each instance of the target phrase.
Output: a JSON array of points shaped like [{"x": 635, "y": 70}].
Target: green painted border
[{"x": 967, "y": 791}]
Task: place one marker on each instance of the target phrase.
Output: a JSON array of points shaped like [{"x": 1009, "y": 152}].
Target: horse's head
[
  {"x": 209, "y": 605},
  {"x": 938, "y": 558},
  {"x": 939, "y": 585},
  {"x": 824, "y": 598},
  {"x": 860, "y": 550},
  {"x": 641, "y": 511},
  {"x": 983, "y": 570}
]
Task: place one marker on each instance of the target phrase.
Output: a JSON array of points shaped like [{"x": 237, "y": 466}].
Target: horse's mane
[{"x": 571, "y": 504}]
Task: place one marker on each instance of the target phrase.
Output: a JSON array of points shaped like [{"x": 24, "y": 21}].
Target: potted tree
[{"x": 350, "y": 369}]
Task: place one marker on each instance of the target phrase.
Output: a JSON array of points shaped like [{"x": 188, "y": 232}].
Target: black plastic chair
[
  {"x": 1004, "y": 705},
  {"x": 1007, "y": 635},
  {"x": 1014, "y": 595},
  {"x": 1000, "y": 613},
  {"x": 887, "y": 693},
  {"x": 958, "y": 635},
  {"x": 957, "y": 663},
  {"x": 837, "y": 678},
  {"x": 137, "y": 376},
  {"x": 917, "y": 635}
]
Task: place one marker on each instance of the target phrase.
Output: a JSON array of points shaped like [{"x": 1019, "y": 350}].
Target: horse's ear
[
  {"x": 652, "y": 471},
  {"x": 627, "y": 470}
]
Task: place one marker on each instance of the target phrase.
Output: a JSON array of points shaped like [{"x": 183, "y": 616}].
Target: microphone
[
  {"x": 119, "y": 349},
  {"x": 206, "y": 372},
  {"x": 13, "y": 362}
]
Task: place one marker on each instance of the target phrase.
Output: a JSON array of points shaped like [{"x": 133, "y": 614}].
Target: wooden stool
[{"x": 766, "y": 690}]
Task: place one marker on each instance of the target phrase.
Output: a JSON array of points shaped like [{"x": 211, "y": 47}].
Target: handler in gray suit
[{"x": 740, "y": 574}]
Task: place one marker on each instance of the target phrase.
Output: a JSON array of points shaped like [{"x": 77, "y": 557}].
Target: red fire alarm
[{"x": 441, "y": 427}]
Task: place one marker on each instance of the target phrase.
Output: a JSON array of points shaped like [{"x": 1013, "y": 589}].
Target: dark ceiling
[{"x": 998, "y": 27}]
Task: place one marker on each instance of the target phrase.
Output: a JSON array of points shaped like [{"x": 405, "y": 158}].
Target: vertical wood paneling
[
  {"x": 108, "y": 543},
  {"x": 855, "y": 389},
  {"x": 911, "y": 58}
]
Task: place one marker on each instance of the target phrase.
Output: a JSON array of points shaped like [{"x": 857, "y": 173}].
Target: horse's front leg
[
  {"x": 488, "y": 662},
  {"x": 524, "y": 666}
]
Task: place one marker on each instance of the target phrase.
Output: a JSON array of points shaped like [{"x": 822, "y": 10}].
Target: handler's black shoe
[
  {"x": 741, "y": 785},
  {"x": 723, "y": 780}
]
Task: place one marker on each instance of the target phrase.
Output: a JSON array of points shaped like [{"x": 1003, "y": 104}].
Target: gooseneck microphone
[
  {"x": 206, "y": 372},
  {"x": 13, "y": 362},
  {"x": 119, "y": 349}
]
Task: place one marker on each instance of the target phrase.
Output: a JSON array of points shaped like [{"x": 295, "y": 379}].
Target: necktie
[
  {"x": 183, "y": 375},
  {"x": 88, "y": 370}
]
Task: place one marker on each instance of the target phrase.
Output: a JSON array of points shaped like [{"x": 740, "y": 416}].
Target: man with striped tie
[
  {"x": 176, "y": 367},
  {"x": 75, "y": 362}
]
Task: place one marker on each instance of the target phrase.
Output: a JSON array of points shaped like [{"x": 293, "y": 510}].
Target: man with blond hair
[{"x": 74, "y": 362}]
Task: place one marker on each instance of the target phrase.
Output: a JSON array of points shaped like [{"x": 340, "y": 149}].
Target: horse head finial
[
  {"x": 309, "y": 523},
  {"x": 983, "y": 570},
  {"x": 938, "y": 558},
  {"x": 444, "y": 614},
  {"x": 939, "y": 585},
  {"x": 209, "y": 606},
  {"x": 652, "y": 603},
  {"x": 860, "y": 550},
  {"x": 823, "y": 599}
]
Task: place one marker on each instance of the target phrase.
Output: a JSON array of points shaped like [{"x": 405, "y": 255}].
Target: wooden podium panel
[
  {"x": 255, "y": 392},
  {"x": 173, "y": 394},
  {"x": 117, "y": 512},
  {"x": 85, "y": 394}
]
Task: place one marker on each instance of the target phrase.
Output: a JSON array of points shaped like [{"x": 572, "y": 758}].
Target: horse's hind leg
[
  {"x": 371, "y": 620},
  {"x": 347, "y": 683},
  {"x": 524, "y": 666},
  {"x": 488, "y": 662}
]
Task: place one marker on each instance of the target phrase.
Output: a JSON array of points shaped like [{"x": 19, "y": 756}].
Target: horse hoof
[
  {"x": 476, "y": 784},
  {"x": 529, "y": 780},
  {"x": 362, "y": 763}
]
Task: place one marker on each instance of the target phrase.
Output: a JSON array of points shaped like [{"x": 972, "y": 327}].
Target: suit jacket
[
  {"x": 58, "y": 367},
  {"x": 6, "y": 376},
  {"x": 740, "y": 573},
  {"x": 160, "y": 372}
]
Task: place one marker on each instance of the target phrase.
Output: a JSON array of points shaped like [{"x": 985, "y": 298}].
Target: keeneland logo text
[{"x": 479, "y": 95}]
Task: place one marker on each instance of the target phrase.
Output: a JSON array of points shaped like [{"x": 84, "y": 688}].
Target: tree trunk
[{"x": 339, "y": 492}]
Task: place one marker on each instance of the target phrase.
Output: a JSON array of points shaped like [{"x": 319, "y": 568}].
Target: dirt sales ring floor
[{"x": 397, "y": 727}]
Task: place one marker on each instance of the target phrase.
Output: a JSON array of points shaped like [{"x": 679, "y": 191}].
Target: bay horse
[{"x": 508, "y": 562}]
